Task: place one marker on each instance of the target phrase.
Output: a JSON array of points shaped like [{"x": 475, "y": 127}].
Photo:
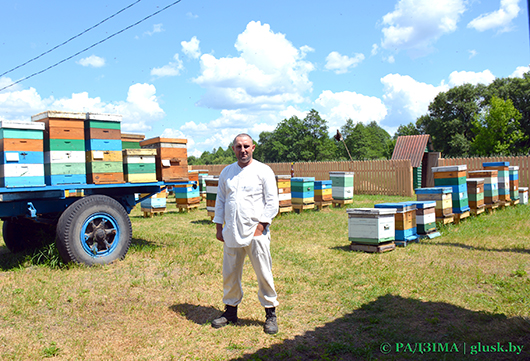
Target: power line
[
  {"x": 91, "y": 46},
  {"x": 69, "y": 40}
]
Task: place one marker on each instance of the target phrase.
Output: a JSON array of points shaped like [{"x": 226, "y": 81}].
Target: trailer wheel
[
  {"x": 94, "y": 230},
  {"x": 21, "y": 234}
]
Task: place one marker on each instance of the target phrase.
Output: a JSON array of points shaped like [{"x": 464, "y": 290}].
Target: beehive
[
  {"x": 187, "y": 193},
  {"x": 131, "y": 141},
  {"x": 491, "y": 185},
  {"x": 64, "y": 147},
  {"x": 503, "y": 178},
  {"x": 154, "y": 204},
  {"x": 475, "y": 191},
  {"x": 371, "y": 225},
  {"x": 342, "y": 185},
  {"x": 283, "y": 182},
  {"x": 405, "y": 221},
  {"x": 22, "y": 159},
  {"x": 514, "y": 182},
  {"x": 193, "y": 176},
  {"x": 455, "y": 178},
  {"x": 426, "y": 218},
  {"x": 523, "y": 195},
  {"x": 212, "y": 183},
  {"x": 171, "y": 158},
  {"x": 139, "y": 165},
  {"x": 104, "y": 158},
  {"x": 323, "y": 191},
  {"x": 303, "y": 190},
  {"x": 203, "y": 173},
  {"x": 442, "y": 196}
]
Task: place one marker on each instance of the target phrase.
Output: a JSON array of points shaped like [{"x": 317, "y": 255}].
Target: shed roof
[{"x": 412, "y": 147}]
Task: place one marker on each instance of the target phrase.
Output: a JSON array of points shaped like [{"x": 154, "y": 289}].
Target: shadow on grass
[
  {"x": 138, "y": 244},
  {"x": 467, "y": 246},
  {"x": 9, "y": 261},
  {"x": 390, "y": 323},
  {"x": 203, "y": 315},
  {"x": 202, "y": 221},
  {"x": 341, "y": 248}
]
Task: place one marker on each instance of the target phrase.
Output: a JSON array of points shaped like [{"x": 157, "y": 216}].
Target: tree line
[
  {"x": 308, "y": 140},
  {"x": 466, "y": 120}
]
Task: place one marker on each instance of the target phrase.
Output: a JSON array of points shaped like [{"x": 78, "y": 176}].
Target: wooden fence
[
  {"x": 385, "y": 177},
  {"x": 522, "y": 162}
]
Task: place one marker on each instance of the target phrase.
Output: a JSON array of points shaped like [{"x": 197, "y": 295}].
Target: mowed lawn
[{"x": 464, "y": 295}]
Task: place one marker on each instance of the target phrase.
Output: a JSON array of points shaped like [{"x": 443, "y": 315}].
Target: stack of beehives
[
  {"x": 514, "y": 184},
  {"x": 503, "y": 178},
  {"x": 139, "y": 165},
  {"x": 323, "y": 193},
  {"x": 187, "y": 196},
  {"x": 302, "y": 193},
  {"x": 104, "y": 158},
  {"x": 171, "y": 158},
  {"x": 405, "y": 221},
  {"x": 21, "y": 144},
  {"x": 64, "y": 147},
  {"x": 475, "y": 192},
  {"x": 342, "y": 187},
  {"x": 523, "y": 195},
  {"x": 156, "y": 204},
  {"x": 371, "y": 229},
  {"x": 212, "y": 182},
  {"x": 491, "y": 186},
  {"x": 426, "y": 219},
  {"x": 283, "y": 182},
  {"x": 455, "y": 178},
  {"x": 203, "y": 173},
  {"x": 442, "y": 197}
]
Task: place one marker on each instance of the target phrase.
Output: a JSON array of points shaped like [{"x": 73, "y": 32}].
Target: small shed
[{"x": 419, "y": 149}]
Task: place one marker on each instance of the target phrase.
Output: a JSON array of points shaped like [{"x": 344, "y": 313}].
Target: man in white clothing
[{"x": 246, "y": 203}]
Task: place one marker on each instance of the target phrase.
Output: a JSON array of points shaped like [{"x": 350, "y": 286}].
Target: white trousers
[{"x": 260, "y": 256}]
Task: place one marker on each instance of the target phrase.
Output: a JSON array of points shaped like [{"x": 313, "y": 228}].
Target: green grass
[{"x": 468, "y": 286}]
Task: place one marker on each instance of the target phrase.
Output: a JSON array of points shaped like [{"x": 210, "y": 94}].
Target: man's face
[{"x": 243, "y": 148}]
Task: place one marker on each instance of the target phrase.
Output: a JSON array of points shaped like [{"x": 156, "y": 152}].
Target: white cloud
[
  {"x": 93, "y": 61},
  {"x": 406, "y": 98},
  {"x": 191, "y": 48},
  {"x": 269, "y": 73},
  {"x": 417, "y": 24},
  {"x": 337, "y": 108},
  {"x": 502, "y": 18},
  {"x": 157, "y": 28},
  {"x": 457, "y": 78},
  {"x": 20, "y": 104},
  {"x": 190, "y": 15},
  {"x": 293, "y": 112},
  {"x": 341, "y": 63},
  {"x": 171, "y": 69},
  {"x": 472, "y": 53},
  {"x": 306, "y": 49},
  {"x": 139, "y": 109},
  {"x": 518, "y": 73},
  {"x": 375, "y": 49},
  {"x": 222, "y": 138},
  {"x": 389, "y": 59}
]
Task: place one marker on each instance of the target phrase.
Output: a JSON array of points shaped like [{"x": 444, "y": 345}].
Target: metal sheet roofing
[{"x": 412, "y": 147}]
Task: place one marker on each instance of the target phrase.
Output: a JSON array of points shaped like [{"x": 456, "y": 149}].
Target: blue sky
[{"x": 207, "y": 70}]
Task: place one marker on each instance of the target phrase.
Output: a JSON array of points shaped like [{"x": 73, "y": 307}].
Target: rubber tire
[
  {"x": 70, "y": 241},
  {"x": 21, "y": 234}
]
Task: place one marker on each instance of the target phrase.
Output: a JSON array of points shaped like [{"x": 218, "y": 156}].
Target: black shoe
[
  {"x": 271, "y": 324},
  {"x": 229, "y": 316}
]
